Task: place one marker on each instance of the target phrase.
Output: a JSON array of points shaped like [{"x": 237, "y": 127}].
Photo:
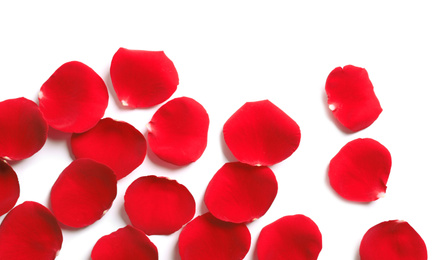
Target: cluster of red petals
[
  {"x": 208, "y": 238},
  {"x": 23, "y": 130},
  {"x": 83, "y": 193},
  {"x": 9, "y": 187}
]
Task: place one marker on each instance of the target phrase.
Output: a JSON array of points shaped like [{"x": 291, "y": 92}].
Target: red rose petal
[
  {"x": 9, "y": 187},
  {"x": 208, "y": 238},
  {"x": 74, "y": 98},
  {"x": 260, "y": 133},
  {"x": 392, "y": 240},
  {"x": 23, "y": 131},
  {"x": 143, "y": 78},
  {"x": 116, "y": 144},
  {"x": 360, "y": 170},
  {"x": 83, "y": 193},
  {"x": 124, "y": 244},
  {"x": 290, "y": 237},
  {"x": 158, "y": 206},
  {"x": 351, "y": 97},
  {"x": 240, "y": 192},
  {"x": 30, "y": 231},
  {"x": 178, "y": 131}
]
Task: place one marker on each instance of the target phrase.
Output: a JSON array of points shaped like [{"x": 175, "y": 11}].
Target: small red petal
[
  {"x": 351, "y": 97},
  {"x": 9, "y": 187},
  {"x": 158, "y": 206},
  {"x": 30, "y": 231},
  {"x": 116, "y": 144},
  {"x": 208, "y": 238},
  {"x": 23, "y": 130},
  {"x": 260, "y": 133},
  {"x": 360, "y": 170},
  {"x": 178, "y": 131},
  {"x": 290, "y": 237},
  {"x": 143, "y": 78},
  {"x": 74, "y": 98},
  {"x": 83, "y": 193},
  {"x": 124, "y": 244},
  {"x": 240, "y": 192},
  {"x": 392, "y": 240}
]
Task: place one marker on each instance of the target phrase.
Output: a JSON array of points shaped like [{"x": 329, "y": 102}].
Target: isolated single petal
[{"x": 9, "y": 187}]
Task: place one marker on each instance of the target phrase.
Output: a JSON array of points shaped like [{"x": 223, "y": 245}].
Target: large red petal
[
  {"x": 74, "y": 98},
  {"x": 392, "y": 240},
  {"x": 260, "y": 133},
  {"x": 208, "y": 238},
  {"x": 9, "y": 187},
  {"x": 143, "y": 78},
  {"x": 83, "y": 193},
  {"x": 360, "y": 170},
  {"x": 23, "y": 130},
  {"x": 290, "y": 237},
  {"x": 178, "y": 131},
  {"x": 240, "y": 192},
  {"x": 158, "y": 206},
  {"x": 116, "y": 144},
  {"x": 30, "y": 231},
  {"x": 351, "y": 97}
]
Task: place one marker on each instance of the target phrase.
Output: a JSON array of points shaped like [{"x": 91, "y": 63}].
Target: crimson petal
[{"x": 9, "y": 187}]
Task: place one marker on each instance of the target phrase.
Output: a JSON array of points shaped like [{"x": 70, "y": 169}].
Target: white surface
[{"x": 232, "y": 52}]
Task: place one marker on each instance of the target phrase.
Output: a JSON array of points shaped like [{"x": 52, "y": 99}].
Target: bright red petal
[
  {"x": 360, "y": 170},
  {"x": 143, "y": 78},
  {"x": 23, "y": 130},
  {"x": 178, "y": 131},
  {"x": 9, "y": 187},
  {"x": 83, "y": 193},
  {"x": 30, "y": 231},
  {"x": 116, "y": 144},
  {"x": 290, "y": 237},
  {"x": 260, "y": 133},
  {"x": 392, "y": 240},
  {"x": 351, "y": 97},
  {"x": 74, "y": 98},
  {"x": 125, "y": 244},
  {"x": 158, "y": 206},
  {"x": 240, "y": 192},
  {"x": 208, "y": 238}
]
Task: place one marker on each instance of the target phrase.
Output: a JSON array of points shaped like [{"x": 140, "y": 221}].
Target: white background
[{"x": 229, "y": 53}]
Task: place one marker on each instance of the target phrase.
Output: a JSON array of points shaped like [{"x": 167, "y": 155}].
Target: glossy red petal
[
  {"x": 290, "y": 237},
  {"x": 208, "y": 238},
  {"x": 9, "y": 187},
  {"x": 23, "y": 131},
  {"x": 74, "y": 98},
  {"x": 360, "y": 170},
  {"x": 240, "y": 192},
  {"x": 125, "y": 244},
  {"x": 351, "y": 97},
  {"x": 116, "y": 144},
  {"x": 83, "y": 193},
  {"x": 158, "y": 206},
  {"x": 30, "y": 231},
  {"x": 143, "y": 78},
  {"x": 178, "y": 131},
  {"x": 260, "y": 133},
  {"x": 392, "y": 240}
]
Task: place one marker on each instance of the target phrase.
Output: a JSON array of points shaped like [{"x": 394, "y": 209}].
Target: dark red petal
[
  {"x": 290, "y": 237},
  {"x": 158, "y": 206},
  {"x": 208, "y": 238},
  {"x": 392, "y": 240},
  {"x": 351, "y": 97},
  {"x": 143, "y": 78},
  {"x": 360, "y": 170},
  {"x": 74, "y": 98},
  {"x": 83, "y": 193},
  {"x": 240, "y": 192},
  {"x": 125, "y": 244},
  {"x": 260, "y": 133},
  {"x": 9, "y": 187},
  {"x": 30, "y": 231},
  {"x": 178, "y": 131},
  {"x": 116, "y": 144},
  {"x": 23, "y": 130}
]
